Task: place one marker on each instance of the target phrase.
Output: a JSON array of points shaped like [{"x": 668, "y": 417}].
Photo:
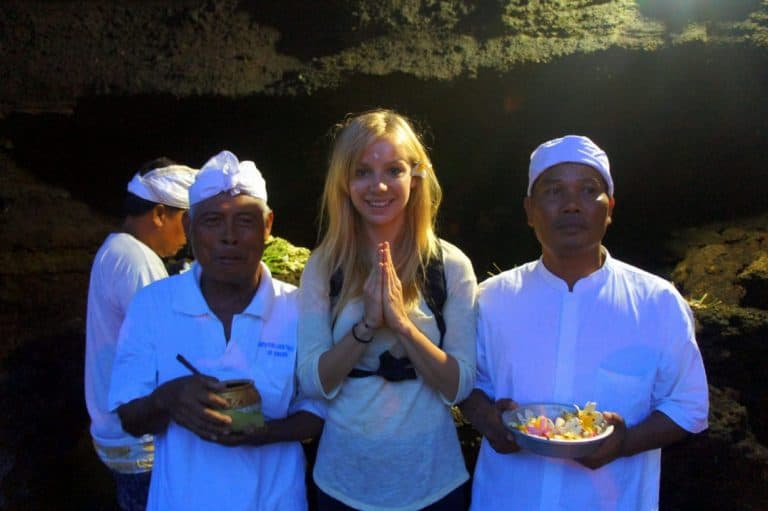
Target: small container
[{"x": 243, "y": 404}]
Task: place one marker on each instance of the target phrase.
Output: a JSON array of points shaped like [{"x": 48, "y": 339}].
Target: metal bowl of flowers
[{"x": 558, "y": 430}]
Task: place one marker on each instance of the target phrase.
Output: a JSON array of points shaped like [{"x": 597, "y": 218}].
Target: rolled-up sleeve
[
  {"x": 681, "y": 392},
  {"x": 460, "y": 318}
]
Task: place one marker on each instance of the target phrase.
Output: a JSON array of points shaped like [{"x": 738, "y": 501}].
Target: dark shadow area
[
  {"x": 683, "y": 128},
  {"x": 687, "y": 465},
  {"x": 56, "y": 467}
]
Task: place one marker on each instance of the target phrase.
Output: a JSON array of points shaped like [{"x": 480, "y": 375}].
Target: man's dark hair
[{"x": 133, "y": 205}]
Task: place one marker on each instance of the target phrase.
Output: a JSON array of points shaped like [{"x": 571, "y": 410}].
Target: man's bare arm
[
  {"x": 191, "y": 401},
  {"x": 297, "y": 427},
  {"x": 485, "y": 416},
  {"x": 654, "y": 432}
]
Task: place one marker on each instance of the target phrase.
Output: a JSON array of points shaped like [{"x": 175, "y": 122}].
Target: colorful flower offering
[{"x": 585, "y": 423}]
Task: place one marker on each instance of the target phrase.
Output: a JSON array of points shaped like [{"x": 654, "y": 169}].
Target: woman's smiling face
[{"x": 380, "y": 185}]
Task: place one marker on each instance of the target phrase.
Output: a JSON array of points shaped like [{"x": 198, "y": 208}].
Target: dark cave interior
[{"x": 683, "y": 128}]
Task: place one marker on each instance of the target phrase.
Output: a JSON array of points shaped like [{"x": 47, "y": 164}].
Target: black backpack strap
[
  {"x": 337, "y": 280},
  {"x": 435, "y": 289},
  {"x": 360, "y": 373}
]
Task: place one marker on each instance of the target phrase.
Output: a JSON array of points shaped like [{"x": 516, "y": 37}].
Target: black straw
[{"x": 187, "y": 364}]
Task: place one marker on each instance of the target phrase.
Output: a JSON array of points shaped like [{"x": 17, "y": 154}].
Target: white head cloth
[
  {"x": 165, "y": 185},
  {"x": 225, "y": 173},
  {"x": 569, "y": 149}
]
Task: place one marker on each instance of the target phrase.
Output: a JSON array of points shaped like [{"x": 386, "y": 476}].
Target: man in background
[{"x": 155, "y": 203}]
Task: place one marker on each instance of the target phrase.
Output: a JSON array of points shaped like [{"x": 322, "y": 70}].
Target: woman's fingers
[
  {"x": 393, "y": 305},
  {"x": 385, "y": 255},
  {"x": 373, "y": 314},
  {"x": 372, "y": 281}
]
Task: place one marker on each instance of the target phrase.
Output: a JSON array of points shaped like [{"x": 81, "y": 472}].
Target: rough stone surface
[
  {"x": 718, "y": 259},
  {"x": 57, "y": 52},
  {"x": 48, "y": 241},
  {"x": 723, "y": 458},
  {"x": 719, "y": 262},
  {"x": 754, "y": 280}
]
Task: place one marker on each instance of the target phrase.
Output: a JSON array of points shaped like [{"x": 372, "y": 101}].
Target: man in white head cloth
[
  {"x": 155, "y": 202},
  {"x": 579, "y": 326},
  {"x": 230, "y": 319}
]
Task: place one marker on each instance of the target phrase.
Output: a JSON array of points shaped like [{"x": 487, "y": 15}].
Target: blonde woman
[{"x": 369, "y": 343}]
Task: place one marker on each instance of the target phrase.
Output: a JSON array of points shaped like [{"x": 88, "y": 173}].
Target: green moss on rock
[{"x": 284, "y": 260}]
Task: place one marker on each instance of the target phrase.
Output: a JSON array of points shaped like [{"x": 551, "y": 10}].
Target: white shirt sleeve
[
  {"x": 132, "y": 266},
  {"x": 314, "y": 331},
  {"x": 680, "y": 391},
  {"x": 483, "y": 380},
  {"x": 459, "y": 312},
  {"x": 134, "y": 373}
]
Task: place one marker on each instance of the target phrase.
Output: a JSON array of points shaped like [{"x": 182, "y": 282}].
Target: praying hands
[{"x": 383, "y": 292}]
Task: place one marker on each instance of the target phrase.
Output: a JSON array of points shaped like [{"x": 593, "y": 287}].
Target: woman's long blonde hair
[{"x": 342, "y": 246}]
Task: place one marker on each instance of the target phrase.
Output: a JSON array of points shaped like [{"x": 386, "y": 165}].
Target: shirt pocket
[
  {"x": 274, "y": 375},
  {"x": 626, "y": 394}
]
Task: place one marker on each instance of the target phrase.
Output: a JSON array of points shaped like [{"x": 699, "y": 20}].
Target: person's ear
[
  {"x": 611, "y": 204},
  {"x": 269, "y": 218},
  {"x": 159, "y": 214},
  {"x": 186, "y": 222},
  {"x": 527, "y": 207}
]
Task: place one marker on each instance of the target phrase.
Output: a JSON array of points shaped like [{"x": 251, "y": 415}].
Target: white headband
[
  {"x": 225, "y": 173},
  {"x": 569, "y": 149},
  {"x": 165, "y": 185}
]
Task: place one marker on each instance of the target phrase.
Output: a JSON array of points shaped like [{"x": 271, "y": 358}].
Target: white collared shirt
[
  {"x": 122, "y": 266},
  {"x": 173, "y": 317},
  {"x": 623, "y": 338}
]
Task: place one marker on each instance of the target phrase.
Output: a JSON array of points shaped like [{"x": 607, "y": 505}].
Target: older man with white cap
[
  {"x": 155, "y": 203},
  {"x": 577, "y": 326},
  {"x": 230, "y": 319}
]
